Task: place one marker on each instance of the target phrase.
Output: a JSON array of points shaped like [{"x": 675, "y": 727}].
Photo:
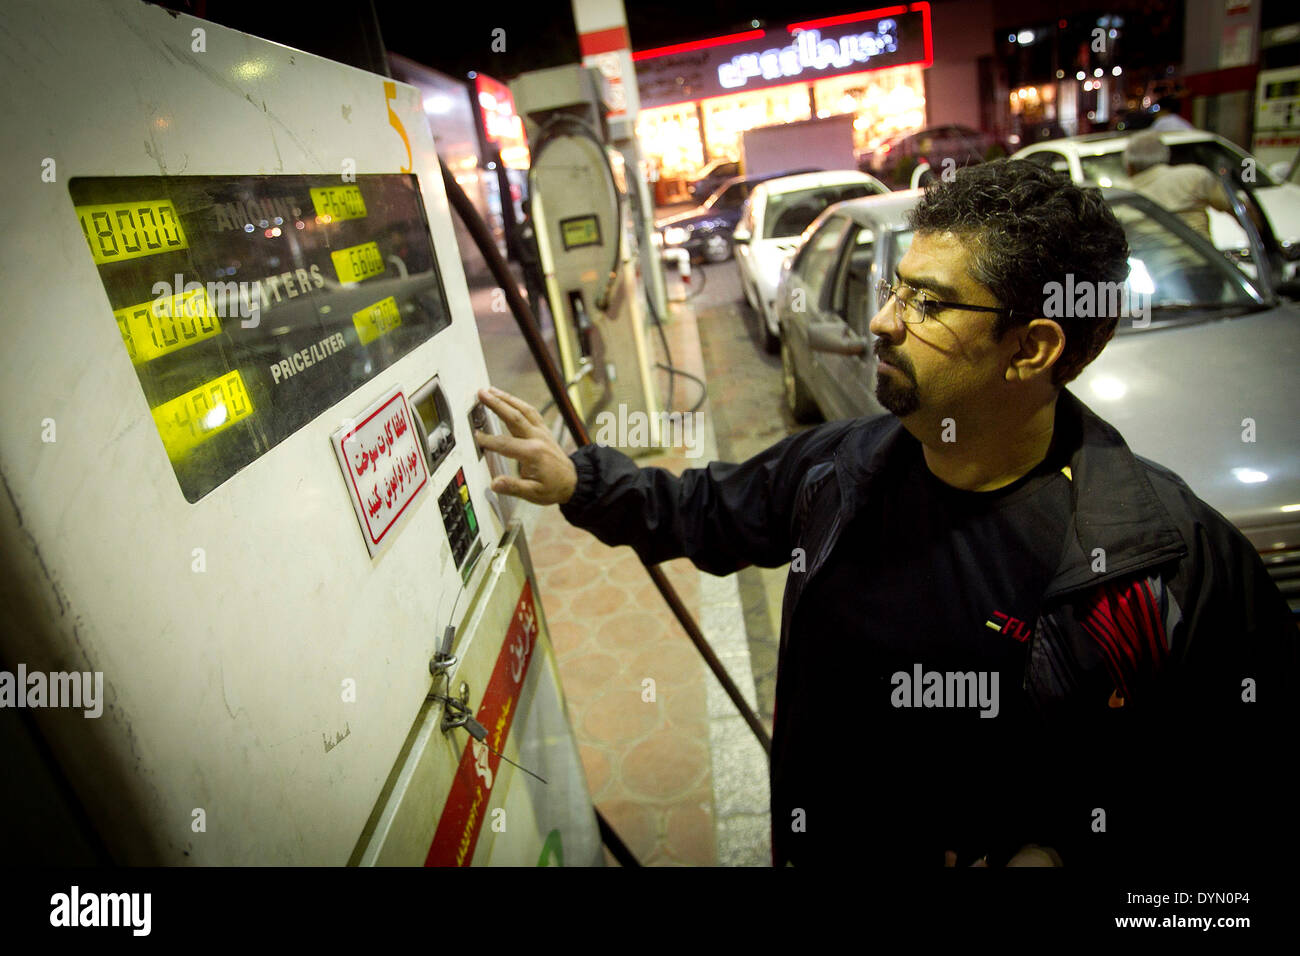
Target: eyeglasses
[{"x": 919, "y": 306}]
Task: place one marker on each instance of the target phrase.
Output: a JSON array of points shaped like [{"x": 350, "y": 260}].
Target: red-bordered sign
[
  {"x": 471, "y": 789},
  {"x": 383, "y": 465},
  {"x": 804, "y": 52}
]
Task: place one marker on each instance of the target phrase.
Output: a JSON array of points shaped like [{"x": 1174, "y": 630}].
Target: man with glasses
[{"x": 1005, "y": 638}]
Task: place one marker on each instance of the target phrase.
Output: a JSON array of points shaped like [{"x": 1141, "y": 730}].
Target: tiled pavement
[
  {"x": 635, "y": 688},
  {"x": 677, "y": 773},
  {"x": 680, "y": 777}
]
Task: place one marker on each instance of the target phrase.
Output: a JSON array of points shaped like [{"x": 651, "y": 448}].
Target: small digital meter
[{"x": 579, "y": 231}]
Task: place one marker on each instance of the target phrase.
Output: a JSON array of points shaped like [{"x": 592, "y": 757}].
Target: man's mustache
[{"x": 899, "y": 362}]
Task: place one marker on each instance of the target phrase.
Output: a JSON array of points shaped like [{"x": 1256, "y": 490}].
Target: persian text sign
[
  {"x": 899, "y": 37},
  {"x": 383, "y": 466}
]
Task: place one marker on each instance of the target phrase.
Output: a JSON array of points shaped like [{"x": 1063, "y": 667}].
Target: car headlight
[{"x": 676, "y": 235}]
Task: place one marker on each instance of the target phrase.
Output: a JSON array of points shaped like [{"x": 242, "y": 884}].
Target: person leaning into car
[
  {"x": 1187, "y": 190},
  {"x": 1005, "y": 637}
]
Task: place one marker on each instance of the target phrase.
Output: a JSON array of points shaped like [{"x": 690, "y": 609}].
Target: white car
[
  {"x": 1098, "y": 160},
  {"x": 775, "y": 217}
]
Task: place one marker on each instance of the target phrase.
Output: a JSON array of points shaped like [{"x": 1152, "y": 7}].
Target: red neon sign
[{"x": 699, "y": 44}]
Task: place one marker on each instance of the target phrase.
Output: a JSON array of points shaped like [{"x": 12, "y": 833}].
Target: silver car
[{"x": 1206, "y": 383}]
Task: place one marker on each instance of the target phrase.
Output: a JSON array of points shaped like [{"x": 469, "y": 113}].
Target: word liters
[
  {"x": 102, "y": 909},
  {"x": 58, "y": 689},
  {"x": 946, "y": 689}
]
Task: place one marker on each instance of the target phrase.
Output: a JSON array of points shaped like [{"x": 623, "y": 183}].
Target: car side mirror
[
  {"x": 835, "y": 337},
  {"x": 741, "y": 235}
]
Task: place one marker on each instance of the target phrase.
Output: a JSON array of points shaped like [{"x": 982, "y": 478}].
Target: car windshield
[
  {"x": 789, "y": 214},
  {"x": 708, "y": 170},
  {"x": 1107, "y": 169},
  {"x": 1173, "y": 275},
  {"x": 726, "y": 197}
]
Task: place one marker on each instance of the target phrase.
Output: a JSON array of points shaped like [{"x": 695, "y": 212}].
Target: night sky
[
  {"x": 542, "y": 34},
  {"x": 456, "y": 37}
]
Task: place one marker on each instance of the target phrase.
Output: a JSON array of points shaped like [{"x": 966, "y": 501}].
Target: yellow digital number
[
  {"x": 189, "y": 420},
  {"x": 116, "y": 232},
  {"x": 164, "y": 325},
  {"x": 358, "y": 262},
  {"x": 376, "y": 320},
  {"x": 338, "y": 203}
]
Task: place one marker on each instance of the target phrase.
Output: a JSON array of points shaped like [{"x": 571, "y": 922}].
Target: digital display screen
[
  {"x": 248, "y": 305},
  {"x": 580, "y": 231},
  {"x": 127, "y": 230}
]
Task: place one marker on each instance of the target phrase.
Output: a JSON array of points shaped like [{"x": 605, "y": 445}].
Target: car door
[
  {"x": 848, "y": 305},
  {"x": 751, "y": 221},
  {"x": 713, "y": 233},
  {"x": 805, "y": 286}
]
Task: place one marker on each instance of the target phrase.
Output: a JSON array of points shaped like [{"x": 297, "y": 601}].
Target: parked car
[
  {"x": 895, "y": 160},
  {"x": 711, "y": 176},
  {"x": 705, "y": 231},
  {"x": 1213, "y": 351},
  {"x": 1098, "y": 159},
  {"x": 776, "y": 214}
]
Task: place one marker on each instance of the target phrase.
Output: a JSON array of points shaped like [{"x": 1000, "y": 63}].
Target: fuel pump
[
  {"x": 586, "y": 242},
  {"x": 258, "y": 603}
]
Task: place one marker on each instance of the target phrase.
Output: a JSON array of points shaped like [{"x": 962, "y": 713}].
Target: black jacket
[{"x": 1158, "y": 619}]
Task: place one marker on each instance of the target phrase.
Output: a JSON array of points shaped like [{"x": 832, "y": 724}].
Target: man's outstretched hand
[{"x": 546, "y": 475}]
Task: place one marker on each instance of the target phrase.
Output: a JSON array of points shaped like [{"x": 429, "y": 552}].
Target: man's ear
[{"x": 1039, "y": 345}]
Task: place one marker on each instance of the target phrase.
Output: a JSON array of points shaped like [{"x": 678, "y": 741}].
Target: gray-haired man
[{"x": 1187, "y": 189}]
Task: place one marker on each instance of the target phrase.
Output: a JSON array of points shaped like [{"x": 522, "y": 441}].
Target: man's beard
[{"x": 896, "y": 390}]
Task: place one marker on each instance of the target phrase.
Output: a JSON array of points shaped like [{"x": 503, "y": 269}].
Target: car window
[
  {"x": 894, "y": 252},
  {"x": 789, "y": 214},
  {"x": 816, "y": 257},
  {"x": 1106, "y": 169},
  {"x": 1215, "y": 156},
  {"x": 851, "y": 298},
  {"x": 729, "y": 198},
  {"x": 1170, "y": 272}
]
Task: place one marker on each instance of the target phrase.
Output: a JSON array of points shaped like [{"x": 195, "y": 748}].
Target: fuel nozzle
[{"x": 582, "y": 322}]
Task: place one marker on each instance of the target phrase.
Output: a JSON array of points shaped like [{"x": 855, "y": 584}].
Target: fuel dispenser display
[
  {"x": 241, "y": 365},
  {"x": 301, "y": 276}
]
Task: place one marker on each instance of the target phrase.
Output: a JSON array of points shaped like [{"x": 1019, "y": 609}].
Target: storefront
[{"x": 697, "y": 98}]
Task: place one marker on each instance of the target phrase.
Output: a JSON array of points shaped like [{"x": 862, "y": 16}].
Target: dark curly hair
[{"x": 1027, "y": 226}]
